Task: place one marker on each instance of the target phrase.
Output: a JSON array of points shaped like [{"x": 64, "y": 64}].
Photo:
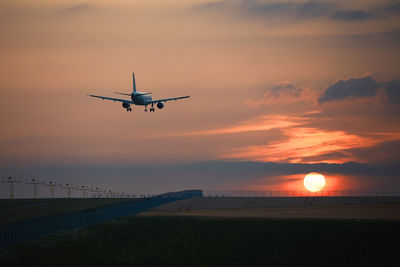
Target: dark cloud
[
  {"x": 352, "y": 15},
  {"x": 383, "y": 153},
  {"x": 300, "y": 10},
  {"x": 273, "y": 168},
  {"x": 381, "y": 38},
  {"x": 284, "y": 93},
  {"x": 314, "y": 9},
  {"x": 351, "y": 88},
  {"x": 76, "y": 8},
  {"x": 256, "y": 8},
  {"x": 283, "y": 89},
  {"x": 392, "y": 91},
  {"x": 293, "y": 9},
  {"x": 331, "y": 156},
  {"x": 210, "y": 6},
  {"x": 363, "y": 87},
  {"x": 378, "y": 12},
  {"x": 392, "y": 9},
  {"x": 386, "y": 152},
  {"x": 392, "y": 36}
]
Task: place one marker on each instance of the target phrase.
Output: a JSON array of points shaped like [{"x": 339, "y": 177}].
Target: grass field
[
  {"x": 205, "y": 241},
  {"x": 23, "y": 209}
]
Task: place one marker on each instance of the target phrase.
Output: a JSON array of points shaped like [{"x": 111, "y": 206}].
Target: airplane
[{"x": 139, "y": 99}]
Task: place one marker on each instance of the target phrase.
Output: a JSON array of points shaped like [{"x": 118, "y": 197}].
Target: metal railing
[{"x": 293, "y": 193}]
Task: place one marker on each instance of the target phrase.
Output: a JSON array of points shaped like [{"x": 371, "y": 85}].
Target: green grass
[
  {"x": 23, "y": 209},
  {"x": 183, "y": 241}
]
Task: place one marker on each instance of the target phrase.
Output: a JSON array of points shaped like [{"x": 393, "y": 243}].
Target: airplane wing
[
  {"x": 113, "y": 99},
  {"x": 168, "y": 99}
]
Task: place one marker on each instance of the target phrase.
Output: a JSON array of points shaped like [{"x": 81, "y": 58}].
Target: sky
[{"x": 278, "y": 89}]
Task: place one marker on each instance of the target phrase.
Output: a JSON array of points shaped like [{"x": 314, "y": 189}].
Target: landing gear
[
  {"x": 151, "y": 109},
  {"x": 129, "y": 109}
]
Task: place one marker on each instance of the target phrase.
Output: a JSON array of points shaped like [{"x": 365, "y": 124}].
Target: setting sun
[{"x": 314, "y": 182}]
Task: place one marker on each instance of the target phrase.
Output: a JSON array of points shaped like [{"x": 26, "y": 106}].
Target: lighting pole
[
  {"x": 52, "y": 185},
  {"x": 11, "y": 181},
  {"x": 97, "y": 192},
  {"x": 68, "y": 188},
  {"x": 84, "y": 190},
  {"x": 35, "y": 185}
]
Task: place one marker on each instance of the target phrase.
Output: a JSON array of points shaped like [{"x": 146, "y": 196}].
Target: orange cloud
[
  {"x": 262, "y": 123},
  {"x": 303, "y": 144}
]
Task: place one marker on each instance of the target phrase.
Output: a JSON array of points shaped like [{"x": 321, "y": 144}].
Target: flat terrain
[
  {"x": 24, "y": 209},
  {"x": 367, "y": 212},
  {"x": 204, "y": 241},
  {"x": 374, "y": 208}
]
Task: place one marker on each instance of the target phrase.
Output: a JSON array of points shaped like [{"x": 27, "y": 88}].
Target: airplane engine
[
  {"x": 160, "y": 105},
  {"x": 127, "y": 106}
]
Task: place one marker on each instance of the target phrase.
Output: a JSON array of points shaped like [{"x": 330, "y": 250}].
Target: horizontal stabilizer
[
  {"x": 122, "y": 93},
  {"x": 138, "y": 94}
]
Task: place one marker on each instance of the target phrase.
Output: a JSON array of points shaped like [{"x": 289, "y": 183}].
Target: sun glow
[{"x": 314, "y": 182}]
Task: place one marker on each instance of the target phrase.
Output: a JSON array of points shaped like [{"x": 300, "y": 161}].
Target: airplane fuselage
[{"x": 140, "y": 99}]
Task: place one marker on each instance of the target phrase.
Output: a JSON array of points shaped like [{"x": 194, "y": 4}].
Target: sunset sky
[{"x": 278, "y": 89}]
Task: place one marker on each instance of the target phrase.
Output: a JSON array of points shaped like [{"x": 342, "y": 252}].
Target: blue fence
[{"x": 32, "y": 229}]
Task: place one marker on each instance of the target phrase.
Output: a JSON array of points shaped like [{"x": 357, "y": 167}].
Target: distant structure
[
  {"x": 84, "y": 190},
  {"x": 52, "y": 186},
  {"x": 125, "y": 195},
  {"x": 68, "y": 188},
  {"x": 11, "y": 181},
  {"x": 97, "y": 192},
  {"x": 109, "y": 193},
  {"x": 35, "y": 185}
]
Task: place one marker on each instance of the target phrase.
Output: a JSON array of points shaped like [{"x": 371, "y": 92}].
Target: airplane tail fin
[{"x": 134, "y": 83}]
